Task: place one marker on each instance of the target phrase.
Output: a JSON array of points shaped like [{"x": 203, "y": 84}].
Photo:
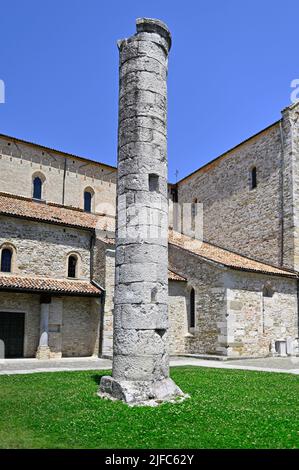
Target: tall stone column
[
  {"x": 140, "y": 360},
  {"x": 43, "y": 351}
]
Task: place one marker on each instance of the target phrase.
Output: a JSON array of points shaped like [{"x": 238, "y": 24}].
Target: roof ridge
[
  {"x": 278, "y": 270},
  {"x": 249, "y": 258},
  {"x": 66, "y": 154}
]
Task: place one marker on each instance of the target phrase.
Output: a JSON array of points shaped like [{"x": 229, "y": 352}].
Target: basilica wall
[
  {"x": 43, "y": 249},
  {"x": 208, "y": 335},
  {"x": 65, "y": 177},
  {"x": 73, "y": 323},
  {"x": 261, "y": 311},
  {"x": 235, "y": 215}
]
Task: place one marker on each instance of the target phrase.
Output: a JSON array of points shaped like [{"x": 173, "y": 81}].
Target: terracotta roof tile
[
  {"x": 53, "y": 213},
  {"x": 174, "y": 276},
  {"x": 227, "y": 258},
  {"x": 57, "y": 286}
]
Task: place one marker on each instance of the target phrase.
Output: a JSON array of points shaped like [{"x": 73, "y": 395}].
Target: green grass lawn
[{"x": 227, "y": 409}]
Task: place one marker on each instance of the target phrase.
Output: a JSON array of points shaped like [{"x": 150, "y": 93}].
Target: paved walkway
[
  {"x": 270, "y": 364},
  {"x": 29, "y": 366}
]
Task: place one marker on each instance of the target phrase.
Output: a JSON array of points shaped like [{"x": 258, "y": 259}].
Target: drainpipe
[
  {"x": 281, "y": 260},
  {"x": 63, "y": 184}
]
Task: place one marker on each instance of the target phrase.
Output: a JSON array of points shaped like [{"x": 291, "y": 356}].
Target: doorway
[{"x": 12, "y": 326}]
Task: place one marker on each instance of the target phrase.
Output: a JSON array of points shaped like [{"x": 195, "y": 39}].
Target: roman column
[{"x": 140, "y": 361}]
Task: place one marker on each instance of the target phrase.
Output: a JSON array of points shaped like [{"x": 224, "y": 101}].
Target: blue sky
[{"x": 230, "y": 71}]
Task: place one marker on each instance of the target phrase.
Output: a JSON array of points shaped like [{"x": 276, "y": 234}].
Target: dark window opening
[
  {"x": 153, "y": 182},
  {"x": 193, "y": 213},
  {"x": 37, "y": 188},
  {"x": 253, "y": 178},
  {"x": 192, "y": 309},
  {"x": 174, "y": 195},
  {"x": 87, "y": 201},
  {"x": 6, "y": 258},
  {"x": 267, "y": 291},
  {"x": 72, "y": 266}
]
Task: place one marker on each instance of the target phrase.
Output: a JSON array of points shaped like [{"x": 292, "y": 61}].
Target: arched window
[
  {"x": 87, "y": 201},
  {"x": 37, "y": 188},
  {"x": 192, "y": 309},
  {"x": 253, "y": 178},
  {"x": 6, "y": 260},
  {"x": 72, "y": 266}
]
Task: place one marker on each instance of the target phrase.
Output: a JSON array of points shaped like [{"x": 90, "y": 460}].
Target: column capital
[{"x": 153, "y": 25}]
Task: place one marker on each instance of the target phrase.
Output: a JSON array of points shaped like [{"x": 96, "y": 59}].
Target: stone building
[{"x": 233, "y": 294}]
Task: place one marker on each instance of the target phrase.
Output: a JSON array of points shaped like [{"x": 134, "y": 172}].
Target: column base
[
  {"x": 134, "y": 392},
  {"x": 43, "y": 352}
]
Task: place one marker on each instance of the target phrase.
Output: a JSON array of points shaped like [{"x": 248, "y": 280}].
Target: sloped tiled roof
[
  {"x": 224, "y": 257},
  {"x": 52, "y": 213},
  {"x": 172, "y": 276},
  {"x": 57, "y": 286}
]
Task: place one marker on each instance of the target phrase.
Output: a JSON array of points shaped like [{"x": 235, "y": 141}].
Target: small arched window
[
  {"x": 72, "y": 266},
  {"x": 87, "y": 201},
  {"x": 6, "y": 260},
  {"x": 253, "y": 178},
  {"x": 37, "y": 188},
  {"x": 192, "y": 309}
]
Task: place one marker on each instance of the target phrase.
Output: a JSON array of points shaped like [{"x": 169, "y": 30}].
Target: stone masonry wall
[
  {"x": 42, "y": 249},
  {"x": 20, "y": 162},
  {"x": 209, "y": 334},
  {"x": 73, "y": 323},
  {"x": 80, "y": 328},
  {"x": 236, "y": 217},
  {"x": 178, "y": 317},
  {"x": 253, "y": 320},
  {"x": 28, "y": 304}
]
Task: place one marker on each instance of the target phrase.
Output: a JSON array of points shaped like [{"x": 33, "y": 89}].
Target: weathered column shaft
[
  {"x": 141, "y": 294},
  {"x": 140, "y": 360}
]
